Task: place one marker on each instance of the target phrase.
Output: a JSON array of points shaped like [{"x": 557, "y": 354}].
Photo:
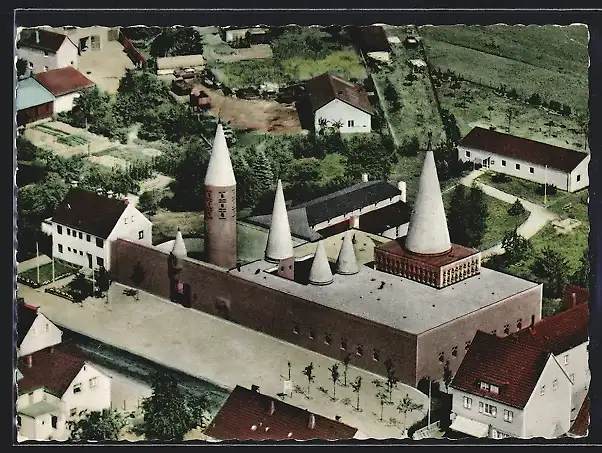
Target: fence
[
  {"x": 131, "y": 50},
  {"x": 427, "y": 431}
]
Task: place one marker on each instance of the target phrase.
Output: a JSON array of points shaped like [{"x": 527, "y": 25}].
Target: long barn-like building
[{"x": 417, "y": 300}]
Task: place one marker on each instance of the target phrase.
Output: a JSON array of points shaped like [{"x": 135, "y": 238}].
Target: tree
[
  {"x": 447, "y": 375},
  {"x": 21, "y": 67},
  {"x": 382, "y": 395},
  {"x": 516, "y": 209},
  {"x": 346, "y": 360},
  {"x": 516, "y": 248},
  {"x": 334, "y": 376},
  {"x": 535, "y": 99},
  {"x": 168, "y": 413},
  {"x": 357, "y": 385},
  {"x": 149, "y": 201},
  {"x": 407, "y": 405},
  {"x": 104, "y": 282},
  {"x": 138, "y": 275},
  {"x": 308, "y": 371},
  {"x": 80, "y": 288},
  {"x": 551, "y": 267},
  {"x": 262, "y": 177},
  {"x": 91, "y": 106},
  {"x": 177, "y": 41},
  {"x": 391, "y": 378},
  {"x": 105, "y": 425},
  {"x": 510, "y": 114},
  {"x": 467, "y": 216},
  {"x": 581, "y": 276}
]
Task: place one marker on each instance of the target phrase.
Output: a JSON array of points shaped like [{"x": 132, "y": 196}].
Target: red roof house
[{"x": 65, "y": 84}]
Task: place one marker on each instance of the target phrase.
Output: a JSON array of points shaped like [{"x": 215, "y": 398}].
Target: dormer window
[
  {"x": 484, "y": 386},
  {"x": 494, "y": 389}
]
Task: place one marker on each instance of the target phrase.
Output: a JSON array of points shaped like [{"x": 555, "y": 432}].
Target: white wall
[
  {"x": 540, "y": 174},
  {"x": 397, "y": 232},
  {"x": 337, "y": 110},
  {"x": 576, "y": 367},
  {"x": 40, "y": 427},
  {"x": 65, "y": 103},
  {"x": 42, "y": 334},
  {"x": 65, "y": 56},
  {"x": 357, "y": 213},
  {"x": 548, "y": 415},
  {"x": 582, "y": 170},
  {"x": 129, "y": 226},
  {"x": 90, "y": 398}
]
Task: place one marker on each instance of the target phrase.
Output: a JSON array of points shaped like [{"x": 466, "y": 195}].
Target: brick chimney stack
[
  {"x": 29, "y": 361},
  {"x": 311, "y": 424}
]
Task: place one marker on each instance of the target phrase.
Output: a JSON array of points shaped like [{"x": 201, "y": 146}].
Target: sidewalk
[{"x": 224, "y": 353}]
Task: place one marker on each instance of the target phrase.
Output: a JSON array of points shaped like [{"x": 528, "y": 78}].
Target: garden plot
[
  {"x": 108, "y": 161},
  {"x": 257, "y": 52}
]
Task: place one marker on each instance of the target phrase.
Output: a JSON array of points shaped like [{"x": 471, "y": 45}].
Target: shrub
[
  {"x": 551, "y": 189},
  {"x": 516, "y": 209},
  {"x": 501, "y": 178}
]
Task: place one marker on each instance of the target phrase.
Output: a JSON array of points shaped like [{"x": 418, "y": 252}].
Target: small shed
[
  {"x": 417, "y": 63},
  {"x": 34, "y": 102},
  {"x": 167, "y": 65},
  {"x": 198, "y": 98},
  {"x": 411, "y": 41}
]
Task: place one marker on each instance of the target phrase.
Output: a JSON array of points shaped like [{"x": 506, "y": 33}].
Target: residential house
[
  {"x": 33, "y": 102},
  {"x": 66, "y": 84},
  {"x": 531, "y": 383},
  {"x": 539, "y": 162},
  {"x": 57, "y": 384},
  {"x": 85, "y": 223},
  {"x": 250, "y": 415},
  {"x": 373, "y": 42},
  {"x": 336, "y": 101},
  {"x": 254, "y": 35},
  {"x": 89, "y": 38},
  {"x": 34, "y": 330},
  {"x": 45, "y": 50}
]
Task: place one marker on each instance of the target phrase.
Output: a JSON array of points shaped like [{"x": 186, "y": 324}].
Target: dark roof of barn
[
  {"x": 297, "y": 220},
  {"x": 53, "y": 368},
  {"x": 538, "y": 153},
  {"x": 89, "y": 212},
  {"x": 347, "y": 200},
  {"x": 26, "y": 315},
  {"x": 380, "y": 220},
  {"x": 580, "y": 426},
  {"x": 63, "y": 81},
  {"x": 49, "y": 41},
  {"x": 326, "y": 88},
  {"x": 246, "y": 408},
  {"x": 513, "y": 366},
  {"x": 372, "y": 38}
]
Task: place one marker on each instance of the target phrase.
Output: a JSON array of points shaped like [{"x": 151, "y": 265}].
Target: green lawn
[
  {"x": 331, "y": 167},
  {"x": 60, "y": 270},
  {"x": 555, "y": 67},
  {"x": 130, "y": 154}
]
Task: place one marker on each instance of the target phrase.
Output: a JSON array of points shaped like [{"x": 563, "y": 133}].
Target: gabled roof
[
  {"x": 53, "y": 368},
  {"x": 538, "y": 153},
  {"x": 63, "y": 81},
  {"x": 514, "y": 367},
  {"x": 89, "y": 212},
  {"x": 580, "y": 426},
  {"x": 372, "y": 38},
  {"x": 26, "y": 315},
  {"x": 42, "y": 39},
  {"x": 31, "y": 93},
  {"x": 326, "y": 88},
  {"x": 245, "y": 409}
]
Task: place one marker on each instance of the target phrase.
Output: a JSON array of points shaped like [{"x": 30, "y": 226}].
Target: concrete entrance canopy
[{"x": 470, "y": 427}]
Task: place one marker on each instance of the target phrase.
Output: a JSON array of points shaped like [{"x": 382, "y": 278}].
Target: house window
[
  {"x": 30, "y": 65},
  {"x": 312, "y": 334},
  {"x": 519, "y": 324},
  {"x": 327, "y": 339},
  {"x": 77, "y": 388},
  {"x": 498, "y": 434},
  {"x": 508, "y": 416},
  {"x": 81, "y": 253},
  {"x": 566, "y": 359},
  {"x": 441, "y": 357},
  {"x": 531, "y": 170},
  {"x": 46, "y": 327},
  {"x": 59, "y": 229},
  {"x": 73, "y": 411},
  {"x": 343, "y": 345},
  {"x": 68, "y": 231},
  {"x": 350, "y": 123},
  {"x": 54, "y": 421},
  {"x": 490, "y": 410},
  {"x": 494, "y": 389},
  {"x": 126, "y": 220},
  {"x": 74, "y": 233},
  {"x": 455, "y": 351},
  {"x": 100, "y": 261},
  {"x": 46, "y": 54},
  {"x": 81, "y": 235},
  {"x": 93, "y": 382},
  {"x": 518, "y": 166},
  {"x": 359, "y": 351},
  {"x": 133, "y": 217},
  {"x": 481, "y": 407},
  {"x": 60, "y": 248},
  {"x": 88, "y": 237},
  {"x": 75, "y": 251},
  {"x": 467, "y": 153},
  {"x": 507, "y": 329},
  {"x": 467, "y": 402},
  {"x": 141, "y": 234},
  {"x": 555, "y": 384},
  {"x": 503, "y": 163},
  {"x": 296, "y": 329},
  {"x": 375, "y": 355},
  {"x": 99, "y": 243},
  {"x": 467, "y": 345},
  {"x": 542, "y": 392},
  {"x": 484, "y": 386},
  {"x": 494, "y": 332},
  {"x": 578, "y": 178}
]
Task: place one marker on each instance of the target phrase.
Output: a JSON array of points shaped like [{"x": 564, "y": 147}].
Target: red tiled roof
[
  {"x": 326, "y": 88},
  {"x": 581, "y": 424},
  {"x": 89, "y": 212},
  {"x": 246, "y": 408},
  {"x": 63, "y": 80},
  {"x": 53, "y": 368},
  {"x": 513, "y": 366},
  {"x": 46, "y": 40},
  {"x": 26, "y": 315},
  {"x": 581, "y": 296},
  {"x": 524, "y": 149}
]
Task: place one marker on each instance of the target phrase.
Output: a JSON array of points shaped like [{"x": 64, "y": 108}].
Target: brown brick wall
[
  {"x": 457, "y": 333},
  {"x": 220, "y": 226}
]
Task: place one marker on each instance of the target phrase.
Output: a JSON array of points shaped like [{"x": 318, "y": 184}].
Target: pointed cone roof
[
  {"x": 179, "y": 248},
  {"x": 347, "y": 262},
  {"x": 320, "y": 273},
  {"x": 219, "y": 171},
  {"x": 427, "y": 231},
  {"x": 280, "y": 242}
]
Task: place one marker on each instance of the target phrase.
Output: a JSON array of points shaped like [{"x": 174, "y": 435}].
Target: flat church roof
[{"x": 401, "y": 303}]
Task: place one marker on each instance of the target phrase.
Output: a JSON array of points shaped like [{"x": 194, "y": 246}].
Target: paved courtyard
[
  {"x": 225, "y": 354},
  {"x": 105, "y": 67}
]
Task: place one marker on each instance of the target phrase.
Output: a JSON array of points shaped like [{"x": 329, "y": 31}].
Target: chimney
[
  {"x": 99, "y": 191},
  {"x": 272, "y": 408},
  {"x": 74, "y": 183},
  {"x": 29, "y": 361},
  {"x": 364, "y": 177},
  {"x": 312, "y": 421},
  {"x": 401, "y": 185},
  {"x": 51, "y": 349},
  {"x": 573, "y": 299},
  {"x": 110, "y": 194},
  {"x": 38, "y": 36}
]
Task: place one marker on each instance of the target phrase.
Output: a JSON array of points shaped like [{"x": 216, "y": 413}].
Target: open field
[
  {"x": 494, "y": 56},
  {"x": 166, "y": 224},
  {"x": 258, "y": 52},
  {"x": 130, "y": 153},
  {"x": 474, "y": 105}
]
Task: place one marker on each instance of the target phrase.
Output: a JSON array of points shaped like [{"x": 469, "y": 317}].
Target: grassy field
[
  {"x": 60, "y": 269},
  {"x": 128, "y": 153},
  {"x": 166, "y": 224},
  {"x": 551, "y": 61},
  {"x": 474, "y": 105}
]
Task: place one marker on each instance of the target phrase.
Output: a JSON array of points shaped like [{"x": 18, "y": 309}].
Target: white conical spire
[
  {"x": 427, "y": 231},
  {"x": 280, "y": 242},
  {"x": 179, "y": 248},
  {"x": 320, "y": 273},
  {"x": 219, "y": 171},
  {"x": 347, "y": 262}
]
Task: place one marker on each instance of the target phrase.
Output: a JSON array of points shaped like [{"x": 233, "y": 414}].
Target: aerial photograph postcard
[{"x": 256, "y": 232}]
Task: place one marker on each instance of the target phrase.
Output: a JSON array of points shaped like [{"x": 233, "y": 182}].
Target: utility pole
[
  {"x": 38, "y": 262},
  {"x": 545, "y": 187},
  {"x": 429, "y": 409}
]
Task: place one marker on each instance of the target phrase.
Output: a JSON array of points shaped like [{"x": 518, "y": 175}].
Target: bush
[
  {"x": 550, "y": 191},
  {"x": 501, "y": 178},
  {"x": 516, "y": 209}
]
